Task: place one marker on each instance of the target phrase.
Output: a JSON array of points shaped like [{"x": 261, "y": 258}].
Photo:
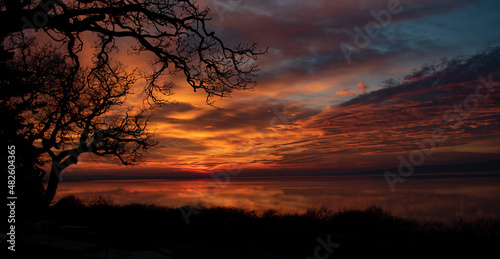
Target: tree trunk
[
  {"x": 51, "y": 189},
  {"x": 30, "y": 193}
]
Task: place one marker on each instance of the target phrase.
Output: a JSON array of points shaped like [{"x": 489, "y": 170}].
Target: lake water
[{"x": 437, "y": 199}]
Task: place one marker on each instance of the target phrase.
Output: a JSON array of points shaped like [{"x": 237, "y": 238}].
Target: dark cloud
[
  {"x": 172, "y": 143},
  {"x": 402, "y": 112},
  {"x": 304, "y": 36},
  {"x": 440, "y": 78}
]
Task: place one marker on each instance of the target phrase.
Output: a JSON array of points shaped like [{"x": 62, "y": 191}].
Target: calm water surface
[{"x": 441, "y": 199}]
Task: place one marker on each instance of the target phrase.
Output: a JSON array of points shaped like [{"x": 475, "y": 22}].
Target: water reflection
[{"x": 443, "y": 199}]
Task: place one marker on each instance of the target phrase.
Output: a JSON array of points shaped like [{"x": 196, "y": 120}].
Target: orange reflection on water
[{"x": 442, "y": 199}]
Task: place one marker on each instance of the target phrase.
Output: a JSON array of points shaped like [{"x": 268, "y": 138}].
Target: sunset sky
[{"x": 314, "y": 112}]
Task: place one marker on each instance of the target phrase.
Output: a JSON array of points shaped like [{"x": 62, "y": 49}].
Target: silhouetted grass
[{"x": 220, "y": 232}]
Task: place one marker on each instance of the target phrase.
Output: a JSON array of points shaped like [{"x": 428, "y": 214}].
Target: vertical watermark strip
[{"x": 11, "y": 197}]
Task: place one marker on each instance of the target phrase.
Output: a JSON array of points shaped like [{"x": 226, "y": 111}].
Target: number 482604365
[{"x": 11, "y": 159}]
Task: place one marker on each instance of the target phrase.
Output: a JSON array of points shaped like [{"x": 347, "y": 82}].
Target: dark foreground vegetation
[{"x": 72, "y": 229}]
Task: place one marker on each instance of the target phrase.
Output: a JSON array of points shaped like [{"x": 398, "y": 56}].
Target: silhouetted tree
[
  {"x": 173, "y": 30},
  {"x": 69, "y": 114},
  {"x": 57, "y": 109}
]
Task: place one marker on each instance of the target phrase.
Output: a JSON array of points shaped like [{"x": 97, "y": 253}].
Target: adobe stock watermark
[
  {"x": 39, "y": 20},
  {"x": 455, "y": 116},
  {"x": 372, "y": 29},
  {"x": 327, "y": 246},
  {"x": 222, "y": 179},
  {"x": 223, "y": 6},
  {"x": 11, "y": 197}
]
